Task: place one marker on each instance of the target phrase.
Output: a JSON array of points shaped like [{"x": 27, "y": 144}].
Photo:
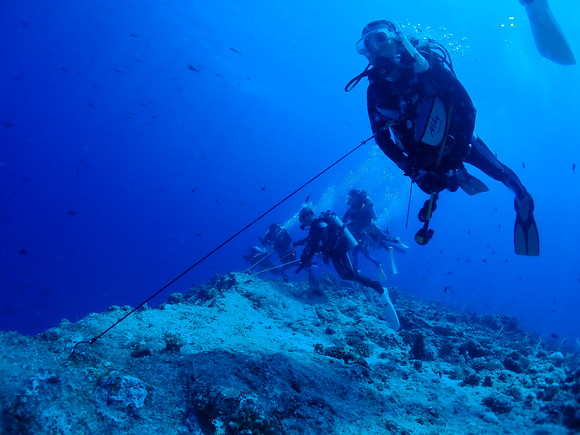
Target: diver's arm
[
  {"x": 391, "y": 150},
  {"x": 380, "y": 127},
  {"x": 313, "y": 243},
  {"x": 346, "y": 218}
]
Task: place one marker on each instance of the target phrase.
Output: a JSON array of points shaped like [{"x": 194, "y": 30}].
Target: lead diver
[{"x": 423, "y": 120}]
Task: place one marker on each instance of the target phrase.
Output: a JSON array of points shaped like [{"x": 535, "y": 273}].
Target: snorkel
[
  {"x": 387, "y": 63},
  {"x": 421, "y": 64}
]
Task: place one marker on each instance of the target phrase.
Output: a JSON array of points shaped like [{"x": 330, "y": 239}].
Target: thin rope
[
  {"x": 409, "y": 205},
  {"x": 277, "y": 267},
  {"x": 221, "y": 245},
  {"x": 258, "y": 262},
  {"x": 287, "y": 254}
]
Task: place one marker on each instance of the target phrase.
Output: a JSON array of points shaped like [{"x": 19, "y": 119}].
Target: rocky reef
[{"x": 242, "y": 355}]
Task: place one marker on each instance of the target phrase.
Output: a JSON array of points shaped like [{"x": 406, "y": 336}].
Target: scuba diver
[
  {"x": 329, "y": 236},
  {"x": 360, "y": 213},
  {"x": 548, "y": 36},
  {"x": 360, "y": 219},
  {"x": 423, "y": 119},
  {"x": 278, "y": 239}
]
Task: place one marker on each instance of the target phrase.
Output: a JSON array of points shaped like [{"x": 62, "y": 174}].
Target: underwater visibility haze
[{"x": 136, "y": 136}]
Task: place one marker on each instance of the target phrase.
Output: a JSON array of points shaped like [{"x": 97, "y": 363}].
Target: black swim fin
[
  {"x": 526, "y": 237},
  {"x": 469, "y": 184}
]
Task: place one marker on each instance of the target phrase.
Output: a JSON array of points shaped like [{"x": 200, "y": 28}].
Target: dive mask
[{"x": 375, "y": 41}]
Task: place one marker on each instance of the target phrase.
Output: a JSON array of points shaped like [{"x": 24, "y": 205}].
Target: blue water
[{"x": 136, "y": 136}]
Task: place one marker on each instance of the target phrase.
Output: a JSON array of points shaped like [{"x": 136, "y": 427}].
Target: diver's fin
[
  {"x": 469, "y": 184},
  {"x": 526, "y": 237},
  {"x": 381, "y": 273},
  {"x": 392, "y": 258},
  {"x": 396, "y": 244},
  {"x": 389, "y": 310},
  {"x": 548, "y": 35}
]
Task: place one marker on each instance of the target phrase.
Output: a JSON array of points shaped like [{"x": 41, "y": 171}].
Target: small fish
[
  {"x": 445, "y": 289},
  {"x": 24, "y": 24},
  {"x": 524, "y": 165},
  {"x": 23, "y": 252},
  {"x": 118, "y": 70},
  {"x": 133, "y": 35},
  {"x": 193, "y": 190},
  {"x": 62, "y": 68},
  {"x": 262, "y": 189},
  {"x": 8, "y": 124},
  {"x": 192, "y": 68},
  {"x": 197, "y": 234},
  {"x": 71, "y": 212},
  {"x": 91, "y": 105},
  {"x": 574, "y": 167},
  {"x": 217, "y": 201},
  {"x": 554, "y": 335},
  {"x": 234, "y": 50},
  {"x": 307, "y": 199}
]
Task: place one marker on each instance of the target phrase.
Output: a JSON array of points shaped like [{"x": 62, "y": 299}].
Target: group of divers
[
  {"x": 333, "y": 237},
  {"x": 423, "y": 120}
]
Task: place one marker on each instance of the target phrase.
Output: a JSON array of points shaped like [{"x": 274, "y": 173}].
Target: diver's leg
[
  {"x": 355, "y": 252},
  {"x": 481, "y": 157},
  {"x": 343, "y": 266},
  {"x": 526, "y": 238},
  {"x": 372, "y": 259}
]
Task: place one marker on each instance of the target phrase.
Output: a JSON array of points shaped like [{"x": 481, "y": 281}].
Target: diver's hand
[{"x": 304, "y": 264}]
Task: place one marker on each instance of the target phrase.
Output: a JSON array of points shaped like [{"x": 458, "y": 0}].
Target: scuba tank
[{"x": 344, "y": 237}]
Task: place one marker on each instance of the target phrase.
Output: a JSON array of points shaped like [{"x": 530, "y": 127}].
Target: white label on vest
[{"x": 435, "y": 128}]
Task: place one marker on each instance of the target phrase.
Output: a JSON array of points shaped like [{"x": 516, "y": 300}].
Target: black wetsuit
[
  {"x": 424, "y": 123},
  {"x": 279, "y": 239},
  {"x": 360, "y": 220},
  {"x": 327, "y": 237},
  {"x": 360, "y": 215}
]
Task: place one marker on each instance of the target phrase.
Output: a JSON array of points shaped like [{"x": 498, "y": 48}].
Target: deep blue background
[{"x": 136, "y": 136}]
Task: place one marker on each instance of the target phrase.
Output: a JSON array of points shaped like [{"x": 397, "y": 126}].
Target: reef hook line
[{"x": 221, "y": 245}]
